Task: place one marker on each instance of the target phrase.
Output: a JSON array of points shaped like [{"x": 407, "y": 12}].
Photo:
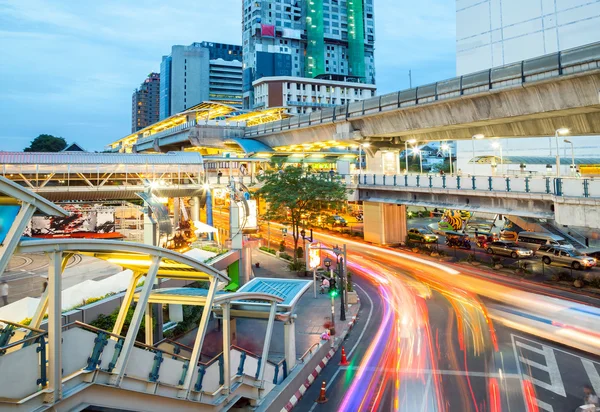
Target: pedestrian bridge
[{"x": 569, "y": 201}]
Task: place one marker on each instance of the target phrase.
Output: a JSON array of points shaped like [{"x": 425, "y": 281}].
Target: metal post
[
  {"x": 195, "y": 356},
  {"x": 13, "y": 237},
  {"x": 345, "y": 266},
  {"x": 136, "y": 321},
  {"x": 269, "y": 234},
  {"x": 473, "y": 144},
  {"x": 343, "y": 290},
  {"x": 421, "y": 160},
  {"x": 55, "y": 325},
  {"x": 148, "y": 328},
  {"x": 267, "y": 343},
  {"x": 127, "y": 299},
  {"x": 406, "y": 155},
  {"x": 557, "y": 154},
  {"x": 226, "y": 346},
  {"x": 332, "y": 328}
]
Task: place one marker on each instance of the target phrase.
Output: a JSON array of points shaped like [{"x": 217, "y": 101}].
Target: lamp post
[
  {"x": 572, "y": 156},
  {"x": 562, "y": 131},
  {"x": 360, "y": 146},
  {"x": 478, "y": 137},
  {"x": 327, "y": 263},
  {"x": 306, "y": 240},
  {"x": 406, "y": 142},
  {"x": 448, "y": 148},
  {"x": 497, "y": 145},
  {"x": 342, "y": 274},
  {"x": 416, "y": 150}
]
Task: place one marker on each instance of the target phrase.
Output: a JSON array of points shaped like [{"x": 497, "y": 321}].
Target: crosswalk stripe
[
  {"x": 529, "y": 347},
  {"x": 592, "y": 374},
  {"x": 533, "y": 363},
  {"x": 545, "y": 406},
  {"x": 556, "y": 383}
]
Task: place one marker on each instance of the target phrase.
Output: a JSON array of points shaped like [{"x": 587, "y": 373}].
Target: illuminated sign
[
  {"x": 314, "y": 257},
  {"x": 8, "y": 214}
]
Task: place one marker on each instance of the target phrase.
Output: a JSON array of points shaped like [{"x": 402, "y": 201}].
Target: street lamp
[
  {"x": 572, "y": 156},
  {"x": 341, "y": 272},
  {"x": 497, "y": 145},
  {"x": 416, "y": 150},
  {"x": 360, "y": 146},
  {"x": 406, "y": 142},
  {"x": 478, "y": 136},
  {"x": 562, "y": 131},
  {"x": 446, "y": 147}
]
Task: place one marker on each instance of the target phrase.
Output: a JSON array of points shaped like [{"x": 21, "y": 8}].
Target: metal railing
[
  {"x": 561, "y": 186},
  {"x": 579, "y": 59}
]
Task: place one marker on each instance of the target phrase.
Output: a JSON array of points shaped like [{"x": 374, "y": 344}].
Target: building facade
[
  {"x": 493, "y": 33},
  {"x": 304, "y": 95},
  {"x": 200, "y": 72},
  {"x": 307, "y": 39},
  {"x": 145, "y": 103}
]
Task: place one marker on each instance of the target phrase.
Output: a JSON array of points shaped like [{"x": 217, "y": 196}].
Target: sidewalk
[{"x": 312, "y": 316}]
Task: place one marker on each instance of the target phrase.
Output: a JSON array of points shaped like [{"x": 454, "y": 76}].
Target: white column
[
  {"x": 196, "y": 208},
  {"x": 148, "y": 329},
  {"x": 176, "y": 204},
  {"x": 289, "y": 339},
  {"x": 13, "y": 237},
  {"x": 55, "y": 326},
  {"x": 267, "y": 344},
  {"x": 195, "y": 356},
  {"x": 136, "y": 321},
  {"x": 227, "y": 346},
  {"x": 40, "y": 311}
]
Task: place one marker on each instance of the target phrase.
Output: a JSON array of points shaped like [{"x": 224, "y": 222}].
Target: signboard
[
  {"x": 248, "y": 217},
  {"x": 8, "y": 214},
  {"x": 81, "y": 219},
  {"x": 314, "y": 256}
]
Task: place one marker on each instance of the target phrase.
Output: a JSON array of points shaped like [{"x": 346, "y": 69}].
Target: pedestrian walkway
[{"x": 313, "y": 317}]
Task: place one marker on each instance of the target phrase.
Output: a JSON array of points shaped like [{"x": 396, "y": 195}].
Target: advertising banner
[{"x": 8, "y": 213}]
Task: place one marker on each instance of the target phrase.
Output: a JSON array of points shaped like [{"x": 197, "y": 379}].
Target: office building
[
  {"x": 307, "y": 39},
  {"x": 145, "y": 103},
  {"x": 200, "y": 72},
  {"x": 493, "y": 33},
  {"x": 304, "y": 95}
]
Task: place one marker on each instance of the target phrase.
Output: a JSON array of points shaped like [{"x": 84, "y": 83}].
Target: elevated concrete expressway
[
  {"x": 568, "y": 201},
  {"x": 531, "y": 98}
]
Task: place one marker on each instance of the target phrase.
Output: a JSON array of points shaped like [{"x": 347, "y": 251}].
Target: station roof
[
  {"x": 261, "y": 116},
  {"x": 290, "y": 290},
  {"x": 534, "y": 160},
  {"x": 197, "y": 297},
  {"x": 82, "y": 158},
  {"x": 249, "y": 145}
]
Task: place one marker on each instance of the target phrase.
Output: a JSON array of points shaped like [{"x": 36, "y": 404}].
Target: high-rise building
[
  {"x": 493, "y": 33},
  {"x": 307, "y": 39},
  {"x": 200, "y": 72},
  {"x": 145, "y": 103}
]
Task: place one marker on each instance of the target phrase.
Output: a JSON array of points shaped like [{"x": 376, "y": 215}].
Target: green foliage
[
  {"x": 107, "y": 322},
  {"x": 211, "y": 249},
  {"x": 350, "y": 284},
  {"x": 297, "y": 266},
  {"x": 293, "y": 192},
  {"x": 46, "y": 143},
  {"x": 285, "y": 256},
  {"x": 268, "y": 250},
  {"x": 299, "y": 252},
  {"x": 282, "y": 246}
]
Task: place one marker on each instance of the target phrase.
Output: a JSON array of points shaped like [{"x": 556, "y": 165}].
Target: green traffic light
[{"x": 333, "y": 293}]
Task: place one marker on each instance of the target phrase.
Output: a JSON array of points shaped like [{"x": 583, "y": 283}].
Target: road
[{"x": 431, "y": 338}]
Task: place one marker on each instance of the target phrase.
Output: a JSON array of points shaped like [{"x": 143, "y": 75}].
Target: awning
[{"x": 250, "y": 145}]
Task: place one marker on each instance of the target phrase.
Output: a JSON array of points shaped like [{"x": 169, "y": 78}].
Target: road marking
[
  {"x": 326, "y": 388},
  {"x": 436, "y": 372},
  {"x": 545, "y": 406},
  {"x": 592, "y": 374},
  {"x": 425, "y": 395},
  {"x": 556, "y": 383},
  {"x": 366, "y": 323}
]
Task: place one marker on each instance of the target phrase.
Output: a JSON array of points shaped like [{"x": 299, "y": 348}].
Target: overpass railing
[
  {"x": 561, "y": 186},
  {"x": 579, "y": 59}
]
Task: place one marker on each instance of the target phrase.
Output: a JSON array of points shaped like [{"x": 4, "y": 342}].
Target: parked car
[
  {"x": 421, "y": 234},
  {"x": 506, "y": 248},
  {"x": 337, "y": 220},
  {"x": 570, "y": 257},
  {"x": 533, "y": 240}
]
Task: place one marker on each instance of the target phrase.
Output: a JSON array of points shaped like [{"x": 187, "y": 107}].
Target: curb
[{"x": 313, "y": 375}]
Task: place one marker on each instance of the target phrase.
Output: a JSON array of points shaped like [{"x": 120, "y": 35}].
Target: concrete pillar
[
  {"x": 383, "y": 162},
  {"x": 176, "y": 211},
  {"x": 289, "y": 339},
  {"x": 149, "y": 228},
  {"x": 384, "y": 223},
  {"x": 196, "y": 208},
  {"x": 227, "y": 347}
]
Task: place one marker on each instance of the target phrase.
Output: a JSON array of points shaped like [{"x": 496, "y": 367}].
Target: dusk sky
[{"x": 68, "y": 68}]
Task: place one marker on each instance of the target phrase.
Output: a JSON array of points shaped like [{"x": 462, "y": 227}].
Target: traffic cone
[
  {"x": 322, "y": 398},
  {"x": 344, "y": 361}
]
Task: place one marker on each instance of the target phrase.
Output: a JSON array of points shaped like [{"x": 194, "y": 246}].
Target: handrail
[
  {"x": 309, "y": 351},
  {"x": 20, "y": 342},
  {"x": 19, "y": 325}
]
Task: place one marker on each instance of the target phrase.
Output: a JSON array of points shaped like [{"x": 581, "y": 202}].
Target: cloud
[{"x": 69, "y": 67}]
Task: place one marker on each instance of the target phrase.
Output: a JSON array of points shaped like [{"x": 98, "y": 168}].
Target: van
[{"x": 533, "y": 240}]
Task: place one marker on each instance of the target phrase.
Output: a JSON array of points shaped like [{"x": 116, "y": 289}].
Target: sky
[{"x": 68, "y": 68}]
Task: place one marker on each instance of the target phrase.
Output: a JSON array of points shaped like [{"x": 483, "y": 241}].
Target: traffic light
[{"x": 333, "y": 292}]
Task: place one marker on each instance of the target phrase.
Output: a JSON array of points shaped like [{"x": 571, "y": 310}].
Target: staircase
[{"x": 575, "y": 239}]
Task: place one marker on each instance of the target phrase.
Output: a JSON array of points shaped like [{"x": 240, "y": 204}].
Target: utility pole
[{"x": 409, "y": 79}]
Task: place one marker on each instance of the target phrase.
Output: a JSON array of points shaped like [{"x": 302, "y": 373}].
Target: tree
[
  {"x": 292, "y": 193},
  {"x": 46, "y": 143}
]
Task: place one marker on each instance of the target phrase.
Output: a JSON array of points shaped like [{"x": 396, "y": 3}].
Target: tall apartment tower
[
  {"x": 493, "y": 33},
  {"x": 145, "y": 103},
  {"x": 312, "y": 38},
  {"x": 200, "y": 72}
]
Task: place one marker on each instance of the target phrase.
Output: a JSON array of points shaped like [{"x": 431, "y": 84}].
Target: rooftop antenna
[{"x": 409, "y": 79}]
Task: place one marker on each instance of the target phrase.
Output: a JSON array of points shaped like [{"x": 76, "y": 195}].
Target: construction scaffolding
[
  {"x": 356, "y": 38},
  {"x": 315, "y": 35}
]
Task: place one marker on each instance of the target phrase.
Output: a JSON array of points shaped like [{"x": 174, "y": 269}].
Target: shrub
[
  {"x": 300, "y": 252},
  {"x": 349, "y": 285},
  {"x": 211, "y": 249},
  {"x": 296, "y": 266},
  {"x": 285, "y": 256},
  {"x": 268, "y": 250},
  {"x": 282, "y": 246}
]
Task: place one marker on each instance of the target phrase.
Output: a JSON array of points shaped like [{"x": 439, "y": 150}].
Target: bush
[
  {"x": 296, "y": 266},
  {"x": 282, "y": 246},
  {"x": 349, "y": 285},
  {"x": 285, "y": 256},
  {"x": 299, "y": 252},
  {"x": 268, "y": 250},
  {"x": 211, "y": 249}
]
